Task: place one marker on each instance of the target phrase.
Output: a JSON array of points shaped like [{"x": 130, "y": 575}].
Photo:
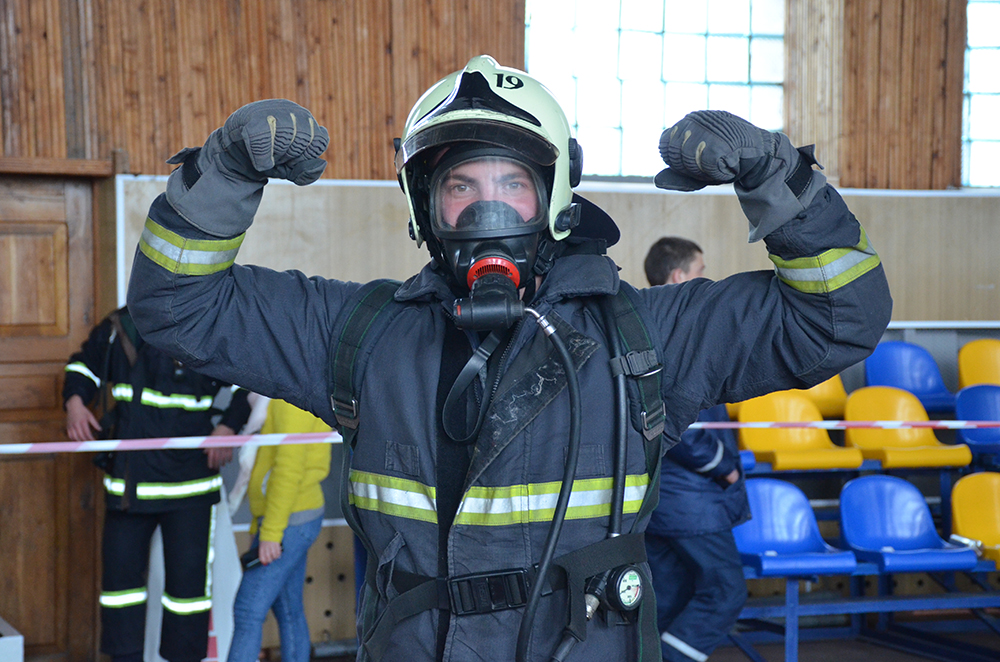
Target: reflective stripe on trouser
[
  {"x": 187, "y": 537},
  {"x": 700, "y": 590}
]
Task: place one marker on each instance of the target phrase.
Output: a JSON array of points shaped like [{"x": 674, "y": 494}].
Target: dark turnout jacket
[{"x": 824, "y": 308}]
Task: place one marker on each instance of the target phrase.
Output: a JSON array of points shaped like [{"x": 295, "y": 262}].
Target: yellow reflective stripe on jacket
[
  {"x": 184, "y": 606},
  {"x": 126, "y": 598},
  {"x": 122, "y": 392},
  {"x": 828, "y": 271},
  {"x": 492, "y": 506},
  {"x": 176, "y": 400},
  {"x": 536, "y": 502},
  {"x": 151, "y": 398},
  {"x": 79, "y": 367},
  {"x": 115, "y": 486},
  {"x": 178, "y": 490},
  {"x": 393, "y": 496},
  {"x": 189, "y": 257}
]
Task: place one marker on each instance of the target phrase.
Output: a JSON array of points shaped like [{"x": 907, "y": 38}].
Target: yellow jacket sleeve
[{"x": 286, "y": 478}]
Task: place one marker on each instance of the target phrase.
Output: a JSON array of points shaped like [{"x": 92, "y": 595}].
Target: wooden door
[{"x": 49, "y": 504}]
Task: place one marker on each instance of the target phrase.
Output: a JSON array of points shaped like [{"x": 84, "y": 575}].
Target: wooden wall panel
[
  {"x": 152, "y": 76},
  {"x": 902, "y": 93},
  {"x": 813, "y": 69}
]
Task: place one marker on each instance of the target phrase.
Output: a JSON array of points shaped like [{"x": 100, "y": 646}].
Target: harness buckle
[
  {"x": 346, "y": 412},
  {"x": 653, "y": 423},
  {"x": 485, "y": 592},
  {"x": 636, "y": 364}
]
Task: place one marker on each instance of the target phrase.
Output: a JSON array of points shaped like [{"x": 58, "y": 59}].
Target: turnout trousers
[
  {"x": 700, "y": 590},
  {"x": 187, "y": 598}
]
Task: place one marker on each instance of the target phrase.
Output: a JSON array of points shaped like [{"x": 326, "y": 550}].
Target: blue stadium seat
[
  {"x": 911, "y": 368},
  {"x": 886, "y": 520},
  {"x": 782, "y": 539},
  {"x": 979, "y": 403}
]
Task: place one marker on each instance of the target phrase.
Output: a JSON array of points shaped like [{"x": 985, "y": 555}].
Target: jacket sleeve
[
  {"x": 823, "y": 309},
  {"x": 238, "y": 412},
  {"x": 188, "y": 298},
  {"x": 706, "y": 451},
  {"x": 85, "y": 370}
]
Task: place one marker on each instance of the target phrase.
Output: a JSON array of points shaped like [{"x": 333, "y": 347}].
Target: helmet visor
[
  {"x": 490, "y": 132},
  {"x": 490, "y": 196}
]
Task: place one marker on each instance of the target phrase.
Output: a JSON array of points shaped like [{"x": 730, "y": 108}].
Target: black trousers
[{"x": 187, "y": 539}]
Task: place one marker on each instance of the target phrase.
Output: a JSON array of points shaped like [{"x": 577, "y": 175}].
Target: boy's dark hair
[{"x": 667, "y": 254}]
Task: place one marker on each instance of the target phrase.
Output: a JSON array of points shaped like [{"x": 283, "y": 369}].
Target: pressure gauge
[{"x": 625, "y": 588}]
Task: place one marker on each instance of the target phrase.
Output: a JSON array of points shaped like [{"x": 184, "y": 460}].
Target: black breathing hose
[
  {"x": 621, "y": 425},
  {"x": 599, "y": 584},
  {"x": 562, "y": 503}
]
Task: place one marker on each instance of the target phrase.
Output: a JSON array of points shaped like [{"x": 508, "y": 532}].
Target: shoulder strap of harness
[
  {"x": 371, "y": 310},
  {"x": 641, "y": 362},
  {"x": 354, "y": 344}
]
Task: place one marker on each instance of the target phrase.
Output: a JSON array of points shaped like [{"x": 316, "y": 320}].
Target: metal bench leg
[{"x": 791, "y": 620}]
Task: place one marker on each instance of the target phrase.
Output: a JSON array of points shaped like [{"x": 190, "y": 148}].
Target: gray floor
[
  {"x": 841, "y": 650},
  {"x": 846, "y": 650}
]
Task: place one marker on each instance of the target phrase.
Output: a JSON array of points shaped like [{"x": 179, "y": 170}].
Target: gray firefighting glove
[
  {"x": 774, "y": 181},
  {"x": 219, "y": 186}
]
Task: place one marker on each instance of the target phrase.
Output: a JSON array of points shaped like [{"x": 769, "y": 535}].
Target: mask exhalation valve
[{"x": 493, "y": 302}]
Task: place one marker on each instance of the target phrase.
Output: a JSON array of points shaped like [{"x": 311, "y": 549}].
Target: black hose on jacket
[{"x": 562, "y": 503}]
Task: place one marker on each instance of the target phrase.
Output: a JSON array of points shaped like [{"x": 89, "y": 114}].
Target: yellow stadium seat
[
  {"x": 733, "y": 409},
  {"x": 975, "y": 511},
  {"x": 979, "y": 362},
  {"x": 792, "y": 448},
  {"x": 897, "y": 448},
  {"x": 829, "y": 396}
]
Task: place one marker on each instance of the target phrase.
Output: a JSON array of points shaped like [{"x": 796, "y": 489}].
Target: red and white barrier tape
[
  {"x": 220, "y": 441},
  {"x": 843, "y": 425},
  {"x": 160, "y": 443}
]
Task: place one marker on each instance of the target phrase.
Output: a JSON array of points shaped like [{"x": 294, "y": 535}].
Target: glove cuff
[
  {"x": 205, "y": 194},
  {"x": 786, "y": 192}
]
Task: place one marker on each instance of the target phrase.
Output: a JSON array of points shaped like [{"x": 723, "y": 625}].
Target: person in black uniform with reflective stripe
[{"x": 175, "y": 489}]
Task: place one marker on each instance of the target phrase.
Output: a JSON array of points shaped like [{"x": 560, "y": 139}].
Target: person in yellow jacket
[{"x": 286, "y": 503}]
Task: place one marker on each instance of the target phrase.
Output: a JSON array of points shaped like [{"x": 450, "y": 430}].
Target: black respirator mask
[{"x": 478, "y": 214}]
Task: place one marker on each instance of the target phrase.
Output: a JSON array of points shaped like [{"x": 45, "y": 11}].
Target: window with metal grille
[
  {"x": 626, "y": 69},
  {"x": 981, "y": 103}
]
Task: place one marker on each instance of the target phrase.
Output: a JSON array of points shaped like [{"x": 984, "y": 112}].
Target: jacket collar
[{"x": 573, "y": 275}]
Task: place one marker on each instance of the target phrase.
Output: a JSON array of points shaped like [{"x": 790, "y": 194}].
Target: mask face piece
[{"x": 488, "y": 213}]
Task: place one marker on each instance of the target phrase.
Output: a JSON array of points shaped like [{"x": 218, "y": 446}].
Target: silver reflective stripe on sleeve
[
  {"x": 188, "y": 257},
  {"x": 827, "y": 271},
  {"x": 79, "y": 367},
  {"x": 714, "y": 462}
]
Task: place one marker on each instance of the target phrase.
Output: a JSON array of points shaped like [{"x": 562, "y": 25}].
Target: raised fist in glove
[
  {"x": 774, "y": 180},
  {"x": 714, "y": 147},
  {"x": 218, "y": 186}
]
